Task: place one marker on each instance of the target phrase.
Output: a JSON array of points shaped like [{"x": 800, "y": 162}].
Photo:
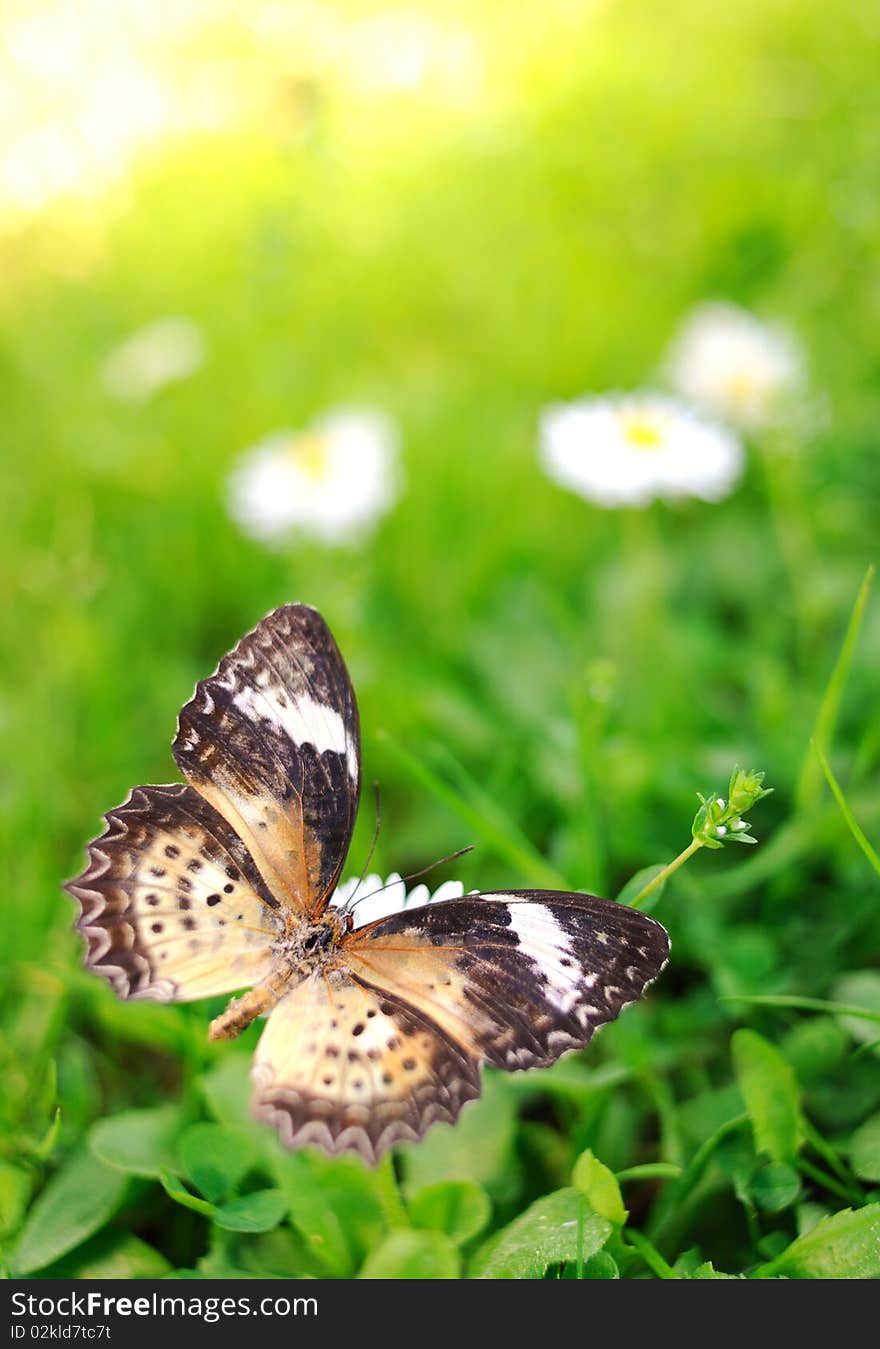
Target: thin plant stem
[
  {"x": 663, "y": 876},
  {"x": 651, "y": 1256},
  {"x": 829, "y": 1183}
]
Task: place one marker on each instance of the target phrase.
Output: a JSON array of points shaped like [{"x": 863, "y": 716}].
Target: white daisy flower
[
  {"x": 380, "y": 899},
  {"x": 331, "y": 481},
  {"x": 161, "y": 353},
  {"x": 727, "y": 361},
  {"x": 628, "y": 449}
]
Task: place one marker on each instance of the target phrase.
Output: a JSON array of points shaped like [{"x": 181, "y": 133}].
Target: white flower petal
[
  {"x": 727, "y": 361},
  {"x": 161, "y": 353},
  {"x": 448, "y": 890},
  {"x": 380, "y": 899},
  {"x": 332, "y": 481},
  {"x": 630, "y": 449}
]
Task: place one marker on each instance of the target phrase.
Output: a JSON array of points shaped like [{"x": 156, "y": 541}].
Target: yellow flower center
[
  {"x": 311, "y": 454},
  {"x": 740, "y": 386},
  {"x": 642, "y": 430}
]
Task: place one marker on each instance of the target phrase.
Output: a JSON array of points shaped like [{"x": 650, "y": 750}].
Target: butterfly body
[
  {"x": 225, "y": 882},
  {"x": 308, "y": 948}
]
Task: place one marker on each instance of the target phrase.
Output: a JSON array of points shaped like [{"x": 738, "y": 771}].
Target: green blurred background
[{"x": 459, "y": 213}]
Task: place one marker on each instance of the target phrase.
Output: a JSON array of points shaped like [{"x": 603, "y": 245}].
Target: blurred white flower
[
  {"x": 727, "y": 361},
  {"x": 627, "y": 449},
  {"x": 379, "y": 899},
  {"x": 331, "y": 481},
  {"x": 163, "y": 352},
  {"x": 393, "y": 51}
]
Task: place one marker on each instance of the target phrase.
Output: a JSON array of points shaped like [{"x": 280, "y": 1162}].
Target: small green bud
[
  {"x": 719, "y": 820},
  {"x": 745, "y": 789}
]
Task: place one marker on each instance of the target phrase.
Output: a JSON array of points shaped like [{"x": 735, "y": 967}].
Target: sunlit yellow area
[{"x": 89, "y": 87}]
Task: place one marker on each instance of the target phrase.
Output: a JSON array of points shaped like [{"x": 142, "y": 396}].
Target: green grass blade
[
  {"x": 804, "y": 1004},
  {"x": 852, "y": 823},
  {"x": 483, "y": 817},
  {"x": 826, "y": 719}
]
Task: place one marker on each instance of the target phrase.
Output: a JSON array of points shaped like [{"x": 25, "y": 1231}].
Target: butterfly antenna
[
  {"x": 377, "y": 803},
  {"x": 413, "y": 876}
]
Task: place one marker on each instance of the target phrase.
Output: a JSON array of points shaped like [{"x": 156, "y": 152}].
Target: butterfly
[{"x": 224, "y": 883}]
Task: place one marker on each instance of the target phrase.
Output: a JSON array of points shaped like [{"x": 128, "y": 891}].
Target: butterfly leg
[{"x": 242, "y": 1011}]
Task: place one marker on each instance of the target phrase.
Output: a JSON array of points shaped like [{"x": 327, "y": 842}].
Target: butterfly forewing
[
  {"x": 349, "y": 1067},
  {"x": 518, "y": 977},
  {"x": 271, "y": 740},
  {"x": 171, "y": 904}
]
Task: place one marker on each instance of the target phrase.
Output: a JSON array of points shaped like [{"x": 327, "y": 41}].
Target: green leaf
[
  {"x": 140, "y": 1142},
  {"x": 46, "y": 1146},
  {"x": 808, "y": 1215},
  {"x": 774, "y": 1186},
  {"x": 227, "y": 1092},
  {"x": 77, "y": 1201},
  {"x": 335, "y": 1204},
  {"x": 113, "y": 1255},
  {"x": 814, "y": 1047},
  {"x": 599, "y": 1187},
  {"x": 859, "y": 989},
  {"x": 479, "y": 1148},
  {"x": 15, "y": 1190},
  {"x": 569, "y": 1079},
  {"x": 708, "y": 1271},
  {"x": 771, "y": 1094},
  {"x": 413, "y": 1255},
  {"x": 176, "y": 1191},
  {"x": 215, "y": 1159},
  {"x": 149, "y": 1024},
  {"x": 458, "y": 1208},
  {"x": 639, "y": 882},
  {"x": 864, "y": 1149},
  {"x": 559, "y": 1227},
  {"x": 600, "y": 1266},
  {"x": 844, "y": 1246},
  {"x": 257, "y": 1212}
]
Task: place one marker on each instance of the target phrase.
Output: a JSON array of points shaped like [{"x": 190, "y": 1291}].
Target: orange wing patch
[
  {"x": 346, "y": 1067},
  {"x": 171, "y": 905}
]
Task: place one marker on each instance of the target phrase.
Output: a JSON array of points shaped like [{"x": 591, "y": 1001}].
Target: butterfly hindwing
[
  {"x": 516, "y": 977},
  {"x": 171, "y": 904},
  {"x": 348, "y": 1067},
  {"x": 271, "y": 740}
]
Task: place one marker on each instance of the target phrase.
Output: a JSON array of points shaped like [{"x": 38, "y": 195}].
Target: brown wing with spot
[
  {"x": 351, "y": 1068},
  {"x": 171, "y": 904},
  {"x": 518, "y": 977},
  {"x": 271, "y": 740},
  {"x": 377, "y": 1051}
]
